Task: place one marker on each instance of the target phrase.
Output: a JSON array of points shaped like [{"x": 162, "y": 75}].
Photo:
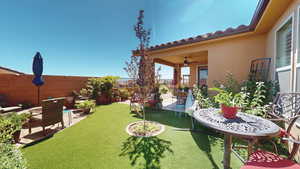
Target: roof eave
[{"x": 260, "y": 9}]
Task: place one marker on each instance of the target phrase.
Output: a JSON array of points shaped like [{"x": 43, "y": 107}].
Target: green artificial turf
[{"x": 101, "y": 142}]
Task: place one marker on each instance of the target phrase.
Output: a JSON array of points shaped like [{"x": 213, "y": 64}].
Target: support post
[
  {"x": 227, "y": 151},
  {"x": 178, "y": 78}
]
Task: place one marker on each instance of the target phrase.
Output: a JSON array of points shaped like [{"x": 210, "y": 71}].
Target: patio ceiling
[{"x": 173, "y": 60}]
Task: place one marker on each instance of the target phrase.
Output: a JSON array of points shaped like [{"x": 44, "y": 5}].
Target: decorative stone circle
[{"x": 157, "y": 129}]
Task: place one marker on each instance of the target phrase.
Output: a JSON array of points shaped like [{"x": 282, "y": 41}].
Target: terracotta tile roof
[
  {"x": 218, "y": 34},
  {"x": 208, "y": 36}
]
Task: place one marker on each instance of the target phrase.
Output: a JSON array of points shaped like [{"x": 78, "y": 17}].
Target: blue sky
[{"x": 95, "y": 37}]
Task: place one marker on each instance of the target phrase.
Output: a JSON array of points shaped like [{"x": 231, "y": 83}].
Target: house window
[
  {"x": 284, "y": 56},
  {"x": 284, "y": 45}
]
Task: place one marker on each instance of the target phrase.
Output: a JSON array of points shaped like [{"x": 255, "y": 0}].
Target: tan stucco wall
[
  {"x": 234, "y": 56},
  {"x": 231, "y": 55},
  {"x": 270, "y": 50}
]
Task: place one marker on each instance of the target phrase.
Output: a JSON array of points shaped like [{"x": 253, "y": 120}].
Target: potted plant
[
  {"x": 12, "y": 124},
  {"x": 106, "y": 85},
  {"x": 229, "y": 102},
  {"x": 87, "y": 106}
]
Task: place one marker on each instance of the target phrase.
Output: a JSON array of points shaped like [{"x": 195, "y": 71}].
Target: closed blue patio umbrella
[{"x": 37, "y": 68}]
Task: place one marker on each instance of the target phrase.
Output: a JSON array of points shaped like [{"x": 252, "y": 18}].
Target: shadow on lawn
[
  {"x": 146, "y": 152},
  {"x": 204, "y": 141},
  {"x": 168, "y": 118},
  {"x": 203, "y": 137}
]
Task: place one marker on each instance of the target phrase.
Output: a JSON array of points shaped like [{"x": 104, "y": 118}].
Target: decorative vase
[{"x": 229, "y": 112}]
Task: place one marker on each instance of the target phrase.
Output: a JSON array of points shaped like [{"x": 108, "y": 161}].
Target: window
[
  {"x": 284, "y": 45},
  {"x": 284, "y": 55},
  {"x": 202, "y": 76}
]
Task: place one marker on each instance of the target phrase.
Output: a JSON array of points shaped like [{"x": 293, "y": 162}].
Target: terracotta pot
[
  {"x": 103, "y": 99},
  {"x": 16, "y": 136},
  {"x": 113, "y": 100},
  {"x": 86, "y": 111},
  {"x": 229, "y": 112}
]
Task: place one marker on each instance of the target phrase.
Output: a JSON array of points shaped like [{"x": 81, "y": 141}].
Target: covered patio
[{"x": 197, "y": 62}]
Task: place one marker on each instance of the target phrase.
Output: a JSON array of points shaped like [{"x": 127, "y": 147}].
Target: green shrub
[
  {"x": 88, "y": 104},
  {"x": 269, "y": 89},
  {"x": 10, "y": 124},
  {"x": 253, "y": 97},
  {"x": 230, "y": 84},
  {"x": 163, "y": 89},
  {"x": 124, "y": 93},
  {"x": 228, "y": 98},
  {"x": 97, "y": 86},
  {"x": 11, "y": 157},
  {"x": 204, "y": 101}
]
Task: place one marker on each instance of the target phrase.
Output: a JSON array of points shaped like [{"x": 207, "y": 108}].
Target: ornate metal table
[{"x": 245, "y": 126}]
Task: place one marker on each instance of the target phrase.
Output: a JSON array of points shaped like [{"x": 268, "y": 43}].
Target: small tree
[
  {"x": 141, "y": 68},
  {"x": 132, "y": 68}
]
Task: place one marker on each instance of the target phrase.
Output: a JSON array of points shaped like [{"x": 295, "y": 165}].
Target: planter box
[{"x": 103, "y": 99}]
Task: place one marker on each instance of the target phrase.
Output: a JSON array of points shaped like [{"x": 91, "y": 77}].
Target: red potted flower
[
  {"x": 229, "y": 102},
  {"x": 229, "y": 112}
]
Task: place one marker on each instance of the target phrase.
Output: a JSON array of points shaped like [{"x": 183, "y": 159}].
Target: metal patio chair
[{"x": 286, "y": 108}]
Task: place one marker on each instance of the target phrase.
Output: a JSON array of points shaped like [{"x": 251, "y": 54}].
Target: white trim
[
  {"x": 285, "y": 68},
  {"x": 297, "y": 48},
  {"x": 289, "y": 67}
]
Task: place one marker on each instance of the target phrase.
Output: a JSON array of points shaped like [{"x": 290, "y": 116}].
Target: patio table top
[{"x": 245, "y": 125}]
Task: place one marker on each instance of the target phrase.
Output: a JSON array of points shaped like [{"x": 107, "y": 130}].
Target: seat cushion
[
  {"x": 268, "y": 160},
  {"x": 9, "y": 109}
]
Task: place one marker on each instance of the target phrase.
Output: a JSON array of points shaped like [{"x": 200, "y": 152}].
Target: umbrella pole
[{"x": 38, "y": 95}]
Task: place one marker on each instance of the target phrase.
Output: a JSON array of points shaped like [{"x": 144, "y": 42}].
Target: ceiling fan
[{"x": 185, "y": 62}]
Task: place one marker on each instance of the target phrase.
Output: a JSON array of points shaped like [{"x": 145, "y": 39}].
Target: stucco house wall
[{"x": 234, "y": 56}]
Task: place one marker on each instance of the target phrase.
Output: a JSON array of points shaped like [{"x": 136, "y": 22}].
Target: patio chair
[
  {"x": 52, "y": 113},
  {"x": 286, "y": 108},
  {"x": 134, "y": 100}
]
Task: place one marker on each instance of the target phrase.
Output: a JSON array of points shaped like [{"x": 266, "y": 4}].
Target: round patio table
[{"x": 245, "y": 126}]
